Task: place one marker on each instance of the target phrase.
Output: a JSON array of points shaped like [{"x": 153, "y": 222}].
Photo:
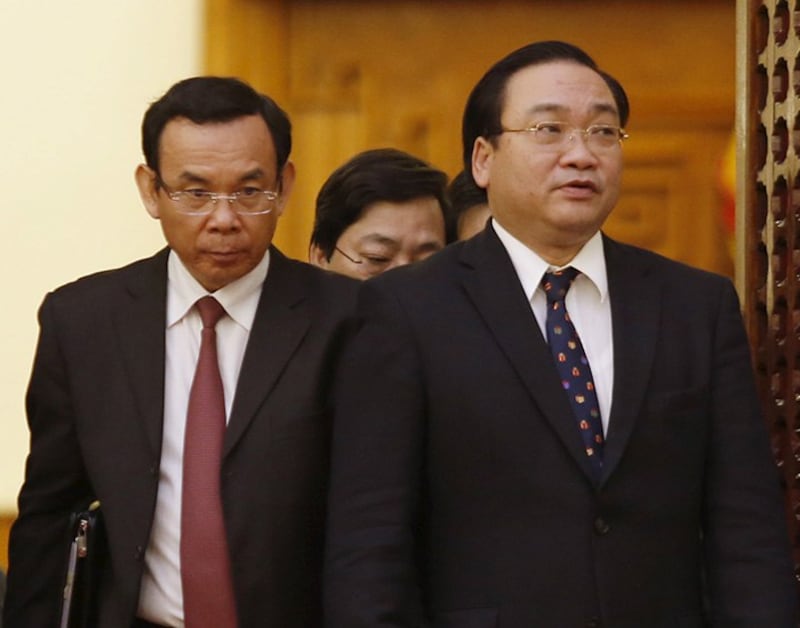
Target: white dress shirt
[
  {"x": 161, "y": 597},
  {"x": 587, "y": 303}
]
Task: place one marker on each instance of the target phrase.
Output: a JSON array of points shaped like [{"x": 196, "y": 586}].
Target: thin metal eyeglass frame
[
  {"x": 213, "y": 197},
  {"x": 586, "y": 133},
  {"x": 354, "y": 260}
]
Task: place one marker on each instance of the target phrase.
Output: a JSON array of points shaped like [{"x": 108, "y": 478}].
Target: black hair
[
  {"x": 463, "y": 194},
  {"x": 204, "y": 99},
  {"x": 382, "y": 174},
  {"x": 486, "y": 101}
]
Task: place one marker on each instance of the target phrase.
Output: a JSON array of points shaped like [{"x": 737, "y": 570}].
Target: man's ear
[
  {"x": 482, "y": 155},
  {"x": 317, "y": 257},
  {"x": 286, "y": 185},
  {"x": 148, "y": 189}
]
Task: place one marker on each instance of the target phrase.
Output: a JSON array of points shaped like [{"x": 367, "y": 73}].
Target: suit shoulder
[
  {"x": 320, "y": 283},
  {"x": 431, "y": 271},
  {"x": 320, "y": 275},
  {"x": 94, "y": 285},
  {"x": 664, "y": 267}
]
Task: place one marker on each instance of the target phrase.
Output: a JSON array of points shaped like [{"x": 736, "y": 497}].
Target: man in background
[
  {"x": 382, "y": 209},
  {"x": 541, "y": 426},
  {"x": 468, "y": 206},
  {"x": 187, "y": 392}
]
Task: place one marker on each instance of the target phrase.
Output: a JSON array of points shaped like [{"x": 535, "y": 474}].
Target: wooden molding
[{"x": 6, "y": 519}]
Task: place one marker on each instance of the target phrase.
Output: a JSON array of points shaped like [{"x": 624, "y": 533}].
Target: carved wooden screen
[{"x": 769, "y": 223}]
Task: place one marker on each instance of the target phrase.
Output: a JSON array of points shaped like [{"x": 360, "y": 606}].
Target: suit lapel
[
  {"x": 282, "y": 320},
  {"x": 635, "y": 314},
  {"x": 139, "y": 321},
  {"x": 494, "y": 288}
]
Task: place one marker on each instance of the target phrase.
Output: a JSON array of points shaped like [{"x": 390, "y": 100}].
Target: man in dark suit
[
  {"x": 474, "y": 484},
  {"x": 111, "y": 390}
]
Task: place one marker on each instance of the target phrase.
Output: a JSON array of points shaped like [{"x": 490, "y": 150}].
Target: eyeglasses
[
  {"x": 370, "y": 265},
  {"x": 555, "y": 135},
  {"x": 249, "y": 201}
]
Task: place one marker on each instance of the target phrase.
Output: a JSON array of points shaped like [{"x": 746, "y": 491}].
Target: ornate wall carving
[{"x": 769, "y": 225}]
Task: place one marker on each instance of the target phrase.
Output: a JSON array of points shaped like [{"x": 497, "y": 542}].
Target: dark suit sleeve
[
  {"x": 747, "y": 550},
  {"x": 370, "y": 576},
  {"x": 55, "y": 483}
]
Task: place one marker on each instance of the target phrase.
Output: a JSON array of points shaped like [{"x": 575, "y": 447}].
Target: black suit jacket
[
  {"x": 461, "y": 496},
  {"x": 95, "y": 406}
]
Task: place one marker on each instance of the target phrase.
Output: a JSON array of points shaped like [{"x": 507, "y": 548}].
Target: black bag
[{"x": 78, "y": 608}]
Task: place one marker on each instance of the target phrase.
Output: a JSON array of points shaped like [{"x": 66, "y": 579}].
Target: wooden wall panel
[
  {"x": 5, "y": 527},
  {"x": 344, "y": 136},
  {"x": 670, "y": 201},
  {"x": 397, "y": 73},
  {"x": 249, "y": 39}
]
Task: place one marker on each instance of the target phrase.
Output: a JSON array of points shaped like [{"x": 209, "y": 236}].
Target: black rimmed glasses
[
  {"x": 249, "y": 201},
  {"x": 556, "y": 135}
]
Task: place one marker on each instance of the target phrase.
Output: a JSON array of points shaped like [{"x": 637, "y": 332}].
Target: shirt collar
[
  {"x": 239, "y": 298},
  {"x": 590, "y": 261}
]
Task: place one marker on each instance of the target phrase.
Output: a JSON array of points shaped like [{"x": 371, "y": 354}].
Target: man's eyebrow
[
  {"x": 377, "y": 238},
  {"x": 548, "y": 108},
  {"x": 255, "y": 173},
  {"x": 430, "y": 245},
  {"x": 599, "y": 107},
  {"x": 191, "y": 177},
  {"x": 604, "y": 107}
]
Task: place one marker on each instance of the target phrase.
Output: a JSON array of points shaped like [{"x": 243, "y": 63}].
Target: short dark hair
[
  {"x": 381, "y": 174},
  {"x": 463, "y": 194},
  {"x": 487, "y": 99},
  {"x": 204, "y": 99}
]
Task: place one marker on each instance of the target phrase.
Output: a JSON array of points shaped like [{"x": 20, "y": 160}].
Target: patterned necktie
[
  {"x": 208, "y": 598},
  {"x": 572, "y": 365}
]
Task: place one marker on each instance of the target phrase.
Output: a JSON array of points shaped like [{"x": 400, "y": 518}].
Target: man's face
[
  {"x": 552, "y": 198},
  {"x": 386, "y": 235},
  {"x": 222, "y": 157}
]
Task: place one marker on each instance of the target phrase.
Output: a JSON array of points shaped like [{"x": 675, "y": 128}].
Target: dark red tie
[{"x": 208, "y": 598}]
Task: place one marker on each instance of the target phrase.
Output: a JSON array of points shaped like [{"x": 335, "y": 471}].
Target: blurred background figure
[
  {"x": 468, "y": 205},
  {"x": 381, "y": 209}
]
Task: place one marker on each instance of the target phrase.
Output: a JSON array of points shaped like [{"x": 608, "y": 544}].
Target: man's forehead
[
  {"x": 245, "y": 141},
  {"x": 558, "y": 87},
  {"x": 388, "y": 222},
  {"x": 181, "y": 127}
]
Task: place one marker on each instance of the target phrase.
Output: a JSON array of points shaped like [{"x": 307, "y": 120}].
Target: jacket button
[
  {"x": 594, "y": 622},
  {"x": 139, "y": 552},
  {"x": 601, "y": 527}
]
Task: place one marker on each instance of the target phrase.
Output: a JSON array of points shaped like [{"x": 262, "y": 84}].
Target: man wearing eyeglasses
[
  {"x": 542, "y": 426},
  {"x": 381, "y": 209},
  {"x": 187, "y": 393}
]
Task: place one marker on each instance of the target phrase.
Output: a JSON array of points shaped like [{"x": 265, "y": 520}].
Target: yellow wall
[{"x": 76, "y": 79}]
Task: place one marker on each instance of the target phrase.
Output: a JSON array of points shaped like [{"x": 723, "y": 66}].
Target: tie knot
[
  {"x": 210, "y": 311},
  {"x": 557, "y": 283}
]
